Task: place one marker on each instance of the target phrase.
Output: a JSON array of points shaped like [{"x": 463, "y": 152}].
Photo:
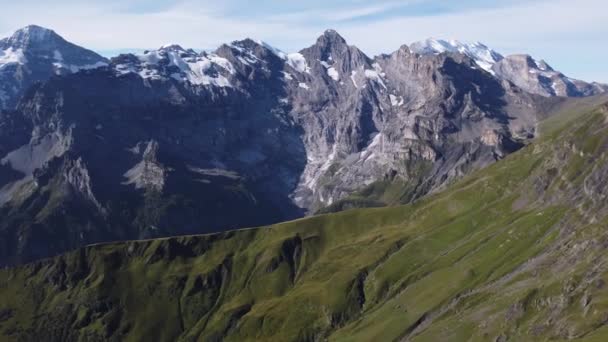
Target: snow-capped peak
[
  {"x": 272, "y": 49},
  {"x": 43, "y": 49},
  {"x": 295, "y": 60},
  {"x": 31, "y": 35},
  {"x": 172, "y": 47},
  {"x": 484, "y": 56},
  {"x": 173, "y": 61},
  {"x": 43, "y": 53}
]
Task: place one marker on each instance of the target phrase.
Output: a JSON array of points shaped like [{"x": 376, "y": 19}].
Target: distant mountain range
[
  {"x": 173, "y": 141},
  {"x": 524, "y": 71}
]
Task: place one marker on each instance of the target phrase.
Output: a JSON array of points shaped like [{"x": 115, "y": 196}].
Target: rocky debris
[
  {"x": 148, "y": 174},
  {"x": 77, "y": 176}
]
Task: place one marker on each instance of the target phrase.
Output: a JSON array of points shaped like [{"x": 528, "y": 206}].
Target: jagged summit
[
  {"x": 32, "y": 36},
  {"x": 538, "y": 77},
  {"x": 330, "y": 39},
  {"x": 532, "y": 75},
  {"x": 35, "y": 53},
  {"x": 246, "y": 43},
  {"x": 332, "y": 48},
  {"x": 34, "y": 33},
  {"x": 530, "y": 62},
  {"x": 333, "y": 36},
  {"x": 484, "y": 56},
  {"x": 172, "y": 47},
  {"x": 250, "y": 50}
]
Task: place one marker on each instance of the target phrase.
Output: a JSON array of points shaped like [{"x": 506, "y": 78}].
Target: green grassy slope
[{"x": 513, "y": 252}]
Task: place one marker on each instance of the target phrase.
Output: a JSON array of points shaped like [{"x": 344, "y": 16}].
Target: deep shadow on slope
[{"x": 219, "y": 171}]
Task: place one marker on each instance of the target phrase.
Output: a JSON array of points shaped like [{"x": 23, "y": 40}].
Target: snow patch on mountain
[
  {"x": 12, "y": 56},
  {"x": 396, "y": 101},
  {"x": 298, "y": 62},
  {"x": 484, "y": 56},
  {"x": 59, "y": 67},
  {"x": 57, "y": 55},
  {"x": 374, "y": 76},
  {"x": 353, "y": 74},
  {"x": 198, "y": 69},
  {"x": 287, "y": 76},
  {"x": 245, "y": 56},
  {"x": 272, "y": 49},
  {"x": 333, "y": 73}
]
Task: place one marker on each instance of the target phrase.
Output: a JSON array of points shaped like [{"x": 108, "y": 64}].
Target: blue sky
[{"x": 569, "y": 34}]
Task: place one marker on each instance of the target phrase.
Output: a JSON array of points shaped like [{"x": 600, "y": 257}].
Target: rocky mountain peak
[
  {"x": 33, "y": 54},
  {"x": 522, "y": 59},
  {"x": 246, "y": 43},
  {"x": 332, "y": 49},
  {"x": 33, "y": 35},
  {"x": 330, "y": 42},
  {"x": 484, "y": 56},
  {"x": 249, "y": 52},
  {"x": 543, "y": 65},
  {"x": 529, "y": 64},
  {"x": 403, "y": 52},
  {"x": 172, "y": 47},
  {"x": 330, "y": 37},
  {"x": 404, "y": 48},
  {"x": 538, "y": 77}
]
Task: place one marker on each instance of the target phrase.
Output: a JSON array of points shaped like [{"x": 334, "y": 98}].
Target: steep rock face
[
  {"x": 35, "y": 54},
  {"x": 539, "y": 78},
  {"x": 335, "y": 104},
  {"x": 173, "y": 141},
  {"x": 408, "y": 117},
  {"x": 145, "y": 158}
]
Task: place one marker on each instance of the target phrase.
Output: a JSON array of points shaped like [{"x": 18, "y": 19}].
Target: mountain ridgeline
[{"x": 173, "y": 141}]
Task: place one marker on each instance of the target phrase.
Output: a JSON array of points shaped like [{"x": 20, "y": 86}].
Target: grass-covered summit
[{"x": 516, "y": 252}]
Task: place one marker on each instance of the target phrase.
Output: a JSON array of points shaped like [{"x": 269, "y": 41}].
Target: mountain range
[{"x": 173, "y": 141}]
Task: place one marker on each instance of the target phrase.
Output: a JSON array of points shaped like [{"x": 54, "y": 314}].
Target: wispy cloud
[
  {"x": 360, "y": 12},
  {"x": 347, "y": 14}
]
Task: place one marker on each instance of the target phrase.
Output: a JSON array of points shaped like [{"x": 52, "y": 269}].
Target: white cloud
[{"x": 336, "y": 15}]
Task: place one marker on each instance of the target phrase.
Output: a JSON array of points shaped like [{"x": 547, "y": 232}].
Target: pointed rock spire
[{"x": 331, "y": 37}]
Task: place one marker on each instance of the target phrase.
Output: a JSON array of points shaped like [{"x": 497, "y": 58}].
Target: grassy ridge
[{"x": 514, "y": 251}]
